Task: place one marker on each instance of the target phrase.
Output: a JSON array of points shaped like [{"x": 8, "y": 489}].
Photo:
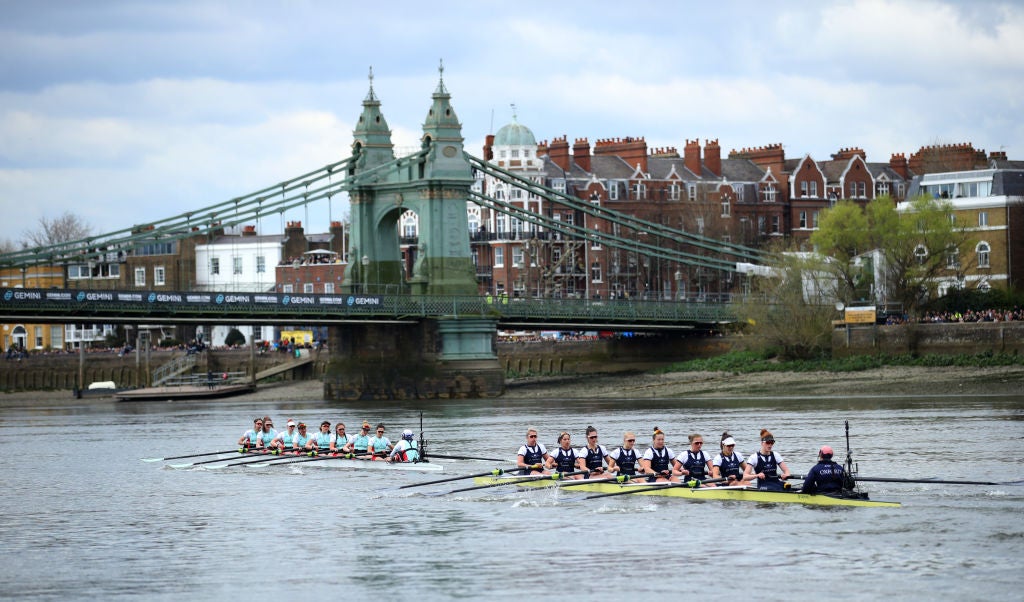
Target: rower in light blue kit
[
  {"x": 767, "y": 465},
  {"x": 361, "y": 442},
  {"x": 269, "y": 432},
  {"x": 826, "y": 476},
  {"x": 252, "y": 438},
  {"x": 340, "y": 442},
  {"x": 380, "y": 446},
  {"x": 285, "y": 440},
  {"x": 406, "y": 450},
  {"x": 321, "y": 442},
  {"x": 301, "y": 437}
]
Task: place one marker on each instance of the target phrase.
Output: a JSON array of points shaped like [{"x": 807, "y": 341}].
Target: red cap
[{"x": 826, "y": 450}]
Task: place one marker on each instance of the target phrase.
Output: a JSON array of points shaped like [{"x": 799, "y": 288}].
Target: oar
[
  {"x": 448, "y": 457},
  {"x": 555, "y": 476},
  {"x": 497, "y": 472},
  {"x": 187, "y": 464},
  {"x": 268, "y": 458},
  {"x": 314, "y": 458},
  {"x": 694, "y": 483},
  {"x": 932, "y": 481},
  {"x": 188, "y": 456}
]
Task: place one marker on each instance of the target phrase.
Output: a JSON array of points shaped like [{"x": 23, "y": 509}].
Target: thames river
[{"x": 84, "y": 518}]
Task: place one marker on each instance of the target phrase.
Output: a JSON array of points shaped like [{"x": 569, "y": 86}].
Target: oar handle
[{"x": 497, "y": 472}]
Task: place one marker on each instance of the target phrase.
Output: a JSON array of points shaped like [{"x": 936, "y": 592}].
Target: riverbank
[{"x": 889, "y": 381}]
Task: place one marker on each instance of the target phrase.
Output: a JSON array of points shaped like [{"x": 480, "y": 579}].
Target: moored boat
[
  {"x": 263, "y": 460},
  {"x": 676, "y": 490}
]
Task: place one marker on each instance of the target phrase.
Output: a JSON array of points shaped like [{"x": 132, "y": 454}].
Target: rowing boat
[
  {"x": 739, "y": 494},
  {"x": 251, "y": 460}
]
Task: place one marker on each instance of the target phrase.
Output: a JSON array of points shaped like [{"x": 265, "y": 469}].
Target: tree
[
  {"x": 790, "y": 310},
  {"x": 65, "y": 228},
  {"x": 914, "y": 245},
  {"x": 843, "y": 234}
]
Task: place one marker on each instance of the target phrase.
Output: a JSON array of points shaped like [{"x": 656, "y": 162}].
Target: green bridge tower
[{"x": 444, "y": 357}]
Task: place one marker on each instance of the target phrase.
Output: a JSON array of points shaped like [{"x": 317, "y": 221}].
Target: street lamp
[
  {"x": 365, "y": 261},
  {"x": 679, "y": 281}
]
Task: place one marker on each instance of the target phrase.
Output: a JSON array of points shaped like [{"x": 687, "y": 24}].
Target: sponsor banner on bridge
[{"x": 150, "y": 298}]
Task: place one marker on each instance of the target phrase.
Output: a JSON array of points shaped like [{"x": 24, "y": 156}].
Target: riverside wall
[{"x": 936, "y": 338}]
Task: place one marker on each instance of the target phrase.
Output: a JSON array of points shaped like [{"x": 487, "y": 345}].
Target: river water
[{"x": 84, "y": 518}]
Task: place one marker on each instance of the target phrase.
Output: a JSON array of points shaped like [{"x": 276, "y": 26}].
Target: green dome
[{"x": 514, "y": 134}]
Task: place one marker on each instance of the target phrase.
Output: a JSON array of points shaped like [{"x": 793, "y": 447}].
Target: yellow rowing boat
[{"x": 678, "y": 490}]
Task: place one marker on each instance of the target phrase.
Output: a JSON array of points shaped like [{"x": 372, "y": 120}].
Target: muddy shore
[{"x": 891, "y": 381}]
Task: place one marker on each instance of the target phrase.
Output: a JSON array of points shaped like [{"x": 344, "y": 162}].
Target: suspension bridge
[{"x": 441, "y": 299}]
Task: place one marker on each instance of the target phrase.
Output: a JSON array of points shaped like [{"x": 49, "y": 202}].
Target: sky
[{"x": 128, "y": 112}]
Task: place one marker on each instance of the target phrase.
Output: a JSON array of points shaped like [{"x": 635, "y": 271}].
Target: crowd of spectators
[{"x": 971, "y": 315}]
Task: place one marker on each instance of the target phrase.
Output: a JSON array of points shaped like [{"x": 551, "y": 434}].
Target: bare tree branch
[{"x": 53, "y": 231}]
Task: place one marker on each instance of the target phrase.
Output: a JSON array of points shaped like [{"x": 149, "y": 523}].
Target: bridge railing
[{"x": 250, "y": 308}]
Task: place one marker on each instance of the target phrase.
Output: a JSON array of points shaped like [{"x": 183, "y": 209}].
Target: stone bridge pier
[{"x": 429, "y": 359}]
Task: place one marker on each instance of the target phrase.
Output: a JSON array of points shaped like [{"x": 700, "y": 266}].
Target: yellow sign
[
  {"x": 301, "y": 336},
  {"x": 860, "y": 315}
]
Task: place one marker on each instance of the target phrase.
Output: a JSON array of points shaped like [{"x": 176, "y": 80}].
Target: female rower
[
  {"x": 361, "y": 442},
  {"x": 660, "y": 459},
  {"x": 593, "y": 456},
  {"x": 252, "y": 438},
  {"x": 625, "y": 457},
  {"x": 406, "y": 449},
  {"x": 340, "y": 442},
  {"x": 268, "y": 431},
  {"x": 767, "y": 466},
  {"x": 532, "y": 456},
  {"x": 285, "y": 440},
  {"x": 563, "y": 459},
  {"x": 728, "y": 464},
  {"x": 301, "y": 438},
  {"x": 321, "y": 441},
  {"x": 696, "y": 464},
  {"x": 380, "y": 446}
]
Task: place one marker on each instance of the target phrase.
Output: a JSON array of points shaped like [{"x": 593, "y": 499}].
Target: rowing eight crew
[
  {"x": 294, "y": 439},
  {"x": 660, "y": 463}
]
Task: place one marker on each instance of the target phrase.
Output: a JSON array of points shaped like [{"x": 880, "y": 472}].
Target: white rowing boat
[{"x": 251, "y": 460}]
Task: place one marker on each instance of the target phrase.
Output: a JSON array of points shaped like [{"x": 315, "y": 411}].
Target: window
[
  {"x": 517, "y": 256},
  {"x": 159, "y": 276},
  {"x": 307, "y": 287},
  {"x": 56, "y": 337},
  {"x": 499, "y": 257},
  {"x": 76, "y": 272},
  {"x": 769, "y": 193},
  {"x": 726, "y": 210},
  {"x": 261, "y": 264},
  {"x": 803, "y": 219},
  {"x": 639, "y": 191},
  {"x": 953, "y": 258},
  {"x": 983, "y": 251},
  {"x": 983, "y": 218},
  {"x": 613, "y": 191},
  {"x": 739, "y": 192},
  {"x": 236, "y": 265},
  {"x": 39, "y": 337},
  {"x": 559, "y": 185},
  {"x": 900, "y": 190},
  {"x": 776, "y": 229},
  {"x": 140, "y": 276},
  {"x": 862, "y": 191},
  {"x": 814, "y": 220},
  {"x": 814, "y": 188},
  {"x": 883, "y": 188},
  {"x": 853, "y": 190},
  {"x": 287, "y": 288},
  {"x": 214, "y": 266},
  {"x": 328, "y": 288},
  {"x": 673, "y": 191},
  {"x": 515, "y": 153},
  {"x": 700, "y": 225},
  {"x": 803, "y": 188},
  {"x": 921, "y": 254},
  {"x": 691, "y": 192},
  {"x": 595, "y": 272}
]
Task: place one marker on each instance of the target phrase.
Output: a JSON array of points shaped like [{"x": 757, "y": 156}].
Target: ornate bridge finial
[
  {"x": 440, "y": 68},
  {"x": 513, "y": 105},
  {"x": 370, "y": 95}
]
